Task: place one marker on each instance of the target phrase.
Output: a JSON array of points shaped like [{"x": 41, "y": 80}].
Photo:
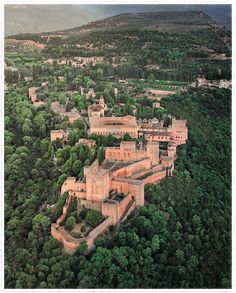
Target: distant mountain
[
  {"x": 172, "y": 21},
  {"x": 46, "y": 18}
]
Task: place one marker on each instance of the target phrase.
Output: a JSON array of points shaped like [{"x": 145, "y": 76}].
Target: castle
[{"x": 116, "y": 186}]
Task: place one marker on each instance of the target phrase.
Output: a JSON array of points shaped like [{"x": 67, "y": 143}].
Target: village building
[
  {"x": 224, "y": 83},
  {"x": 48, "y": 61},
  {"x": 201, "y": 81},
  {"x": 122, "y": 81},
  {"x": 59, "y": 134},
  {"x": 44, "y": 84},
  {"x": 32, "y": 92},
  {"x": 154, "y": 94},
  {"x": 38, "y": 104},
  {"x": 72, "y": 115},
  {"x": 90, "y": 94},
  {"x": 28, "y": 78},
  {"x": 115, "y": 90},
  {"x": 156, "y": 105}
]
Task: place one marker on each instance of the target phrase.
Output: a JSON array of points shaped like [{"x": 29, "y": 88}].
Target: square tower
[{"x": 153, "y": 151}]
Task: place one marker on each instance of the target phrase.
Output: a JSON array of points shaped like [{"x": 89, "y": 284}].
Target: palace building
[
  {"x": 177, "y": 131},
  {"x": 152, "y": 131},
  {"x": 116, "y": 126}
]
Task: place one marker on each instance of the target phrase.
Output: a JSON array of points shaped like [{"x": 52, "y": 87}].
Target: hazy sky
[{"x": 41, "y": 18}]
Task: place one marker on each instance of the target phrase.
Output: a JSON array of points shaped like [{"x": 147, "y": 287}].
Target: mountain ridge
[{"x": 141, "y": 20}]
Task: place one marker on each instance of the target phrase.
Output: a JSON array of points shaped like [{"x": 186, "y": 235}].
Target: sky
[{"x": 21, "y": 18}]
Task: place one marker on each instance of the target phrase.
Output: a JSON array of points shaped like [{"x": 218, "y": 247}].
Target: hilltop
[
  {"x": 70, "y": 99},
  {"x": 167, "y": 21},
  {"x": 160, "y": 21}
]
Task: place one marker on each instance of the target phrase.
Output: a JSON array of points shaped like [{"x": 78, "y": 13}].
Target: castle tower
[
  {"x": 171, "y": 149},
  {"x": 179, "y": 131},
  {"x": 102, "y": 103},
  {"x": 97, "y": 183},
  {"x": 153, "y": 151}
]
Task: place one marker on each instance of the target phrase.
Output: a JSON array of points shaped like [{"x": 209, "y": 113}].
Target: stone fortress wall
[
  {"x": 71, "y": 243},
  {"x": 116, "y": 187}
]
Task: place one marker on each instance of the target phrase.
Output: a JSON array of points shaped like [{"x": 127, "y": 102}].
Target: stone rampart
[{"x": 70, "y": 243}]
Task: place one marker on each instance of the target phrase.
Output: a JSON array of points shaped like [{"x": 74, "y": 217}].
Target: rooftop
[
  {"x": 114, "y": 165},
  {"x": 114, "y": 122},
  {"x": 95, "y": 108}
]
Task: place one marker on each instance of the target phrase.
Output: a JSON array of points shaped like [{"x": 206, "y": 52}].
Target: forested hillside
[
  {"x": 181, "y": 238},
  {"x": 171, "y": 45}
]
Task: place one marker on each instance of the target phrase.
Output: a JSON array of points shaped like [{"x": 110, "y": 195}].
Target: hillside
[
  {"x": 171, "y": 45},
  {"x": 124, "y": 65},
  {"x": 159, "y": 21},
  {"x": 46, "y": 18},
  {"x": 167, "y": 21}
]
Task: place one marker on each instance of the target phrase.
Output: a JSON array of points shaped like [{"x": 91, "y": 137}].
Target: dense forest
[{"x": 181, "y": 238}]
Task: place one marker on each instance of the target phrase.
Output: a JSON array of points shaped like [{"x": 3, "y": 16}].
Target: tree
[
  {"x": 155, "y": 245},
  {"x": 101, "y": 154},
  {"x": 94, "y": 218},
  {"x": 76, "y": 167},
  {"x": 70, "y": 222},
  {"x": 99, "y": 73},
  {"x": 151, "y": 77},
  {"x": 40, "y": 223},
  {"x": 82, "y": 154},
  {"x": 83, "y": 248},
  {"x": 127, "y": 137}
]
